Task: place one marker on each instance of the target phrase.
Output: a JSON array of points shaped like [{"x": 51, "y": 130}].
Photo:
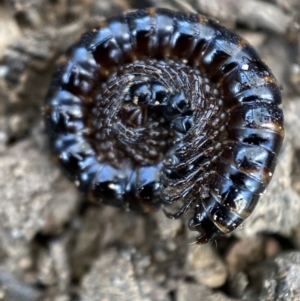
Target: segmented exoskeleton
[{"x": 155, "y": 107}]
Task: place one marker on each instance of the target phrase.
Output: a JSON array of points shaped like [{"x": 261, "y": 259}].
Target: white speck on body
[{"x": 245, "y": 67}]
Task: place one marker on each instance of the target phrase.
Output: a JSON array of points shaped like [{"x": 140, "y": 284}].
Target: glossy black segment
[
  {"x": 202, "y": 223},
  {"x": 148, "y": 184},
  {"x": 224, "y": 218},
  {"x": 260, "y": 116},
  {"x": 82, "y": 57},
  {"x": 183, "y": 39},
  {"x": 142, "y": 27},
  {"x": 242, "y": 179},
  {"x": 163, "y": 32},
  {"x": 241, "y": 201},
  {"x": 120, "y": 31},
  {"x": 269, "y": 139},
  {"x": 249, "y": 156},
  {"x": 109, "y": 185},
  {"x": 88, "y": 167}
]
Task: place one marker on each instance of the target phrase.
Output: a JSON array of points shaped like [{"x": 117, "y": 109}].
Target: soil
[{"x": 54, "y": 245}]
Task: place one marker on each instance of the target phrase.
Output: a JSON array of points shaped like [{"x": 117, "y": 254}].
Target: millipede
[{"x": 157, "y": 107}]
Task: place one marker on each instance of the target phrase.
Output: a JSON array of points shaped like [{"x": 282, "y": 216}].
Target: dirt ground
[{"x": 56, "y": 246}]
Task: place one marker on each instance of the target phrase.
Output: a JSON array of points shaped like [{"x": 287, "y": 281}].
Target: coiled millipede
[{"x": 155, "y": 107}]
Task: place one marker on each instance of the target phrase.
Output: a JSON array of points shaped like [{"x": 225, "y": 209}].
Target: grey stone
[
  {"x": 35, "y": 197},
  {"x": 206, "y": 266},
  {"x": 13, "y": 289},
  {"x": 279, "y": 278},
  {"x": 111, "y": 278},
  {"x": 253, "y": 13}
]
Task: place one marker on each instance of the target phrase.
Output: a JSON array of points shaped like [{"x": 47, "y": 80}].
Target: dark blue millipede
[{"x": 155, "y": 107}]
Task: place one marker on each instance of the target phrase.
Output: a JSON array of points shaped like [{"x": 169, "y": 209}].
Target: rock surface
[{"x": 55, "y": 246}]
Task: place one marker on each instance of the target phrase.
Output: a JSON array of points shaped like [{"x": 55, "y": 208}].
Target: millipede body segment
[{"x": 155, "y": 107}]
